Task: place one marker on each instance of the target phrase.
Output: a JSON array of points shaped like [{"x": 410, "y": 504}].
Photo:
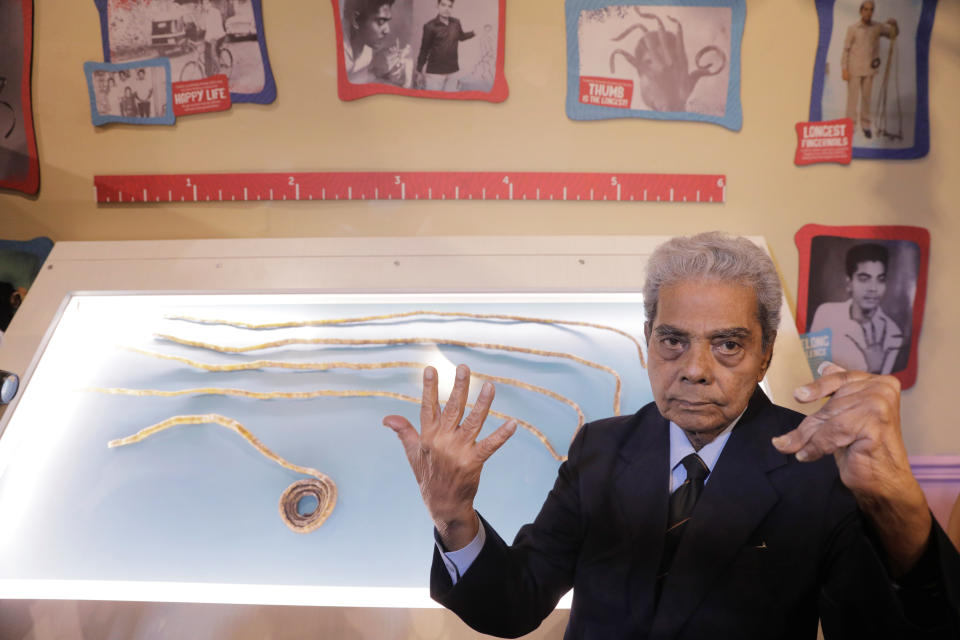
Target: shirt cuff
[{"x": 457, "y": 562}]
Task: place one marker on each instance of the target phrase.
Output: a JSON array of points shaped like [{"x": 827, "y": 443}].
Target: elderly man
[
  {"x": 711, "y": 512},
  {"x": 860, "y": 62}
]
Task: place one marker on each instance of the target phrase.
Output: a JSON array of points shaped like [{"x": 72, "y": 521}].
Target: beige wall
[{"x": 308, "y": 128}]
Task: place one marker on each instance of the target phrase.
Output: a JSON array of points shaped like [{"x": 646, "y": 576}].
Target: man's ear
[
  {"x": 768, "y": 357},
  {"x": 355, "y": 20}
]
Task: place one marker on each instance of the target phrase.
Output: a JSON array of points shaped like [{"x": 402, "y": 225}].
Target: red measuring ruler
[{"x": 386, "y": 185}]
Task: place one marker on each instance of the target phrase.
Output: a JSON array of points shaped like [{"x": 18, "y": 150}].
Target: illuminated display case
[{"x": 307, "y": 344}]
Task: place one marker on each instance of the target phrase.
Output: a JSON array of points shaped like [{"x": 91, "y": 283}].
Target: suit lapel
[
  {"x": 640, "y": 488},
  {"x": 734, "y": 501}
]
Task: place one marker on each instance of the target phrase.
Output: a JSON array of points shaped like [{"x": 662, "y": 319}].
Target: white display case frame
[{"x": 323, "y": 265}]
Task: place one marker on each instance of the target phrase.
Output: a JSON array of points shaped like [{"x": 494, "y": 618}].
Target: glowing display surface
[{"x": 197, "y": 504}]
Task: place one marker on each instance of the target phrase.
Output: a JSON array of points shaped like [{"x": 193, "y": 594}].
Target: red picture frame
[
  {"x": 21, "y": 171},
  {"x": 497, "y": 91},
  {"x": 823, "y": 252}
]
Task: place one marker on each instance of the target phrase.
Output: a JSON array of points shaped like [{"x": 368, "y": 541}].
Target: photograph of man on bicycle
[{"x": 201, "y": 38}]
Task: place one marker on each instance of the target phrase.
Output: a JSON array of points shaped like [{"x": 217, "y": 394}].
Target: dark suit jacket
[{"x": 773, "y": 545}]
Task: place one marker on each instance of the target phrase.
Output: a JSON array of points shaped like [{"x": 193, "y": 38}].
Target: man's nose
[
  {"x": 386, "y": 28},
  {"x": 697, "y": 365}
]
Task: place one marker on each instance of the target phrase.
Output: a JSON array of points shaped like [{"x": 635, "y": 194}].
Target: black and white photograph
[
  {"x": 864, "y": 288},
  {"x": 201, "y": 38},
  {"x": 378, "y": 41},
  {"x": 456, "y": 44},
  {"x": 676, "y": 56},
  {"x": 666, "y": 61},
  {"x": 872, "y": 68},
  {"x": 426, "y": 48},
  {"x": 132, "y": 92},
  {"x": 19, "y": 168}
]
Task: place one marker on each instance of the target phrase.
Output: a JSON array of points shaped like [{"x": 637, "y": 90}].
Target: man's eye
[
  {"x": 728, "y": 347},
  {"x": 670, "y": 342}
]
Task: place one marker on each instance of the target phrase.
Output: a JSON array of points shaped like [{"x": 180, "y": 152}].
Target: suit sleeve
[
  {"x": 509, "y": 590},
  {"x": 426, "y": 43},
  {"x": 858, "y": 598},
  {"x": 847, "y": 44}
]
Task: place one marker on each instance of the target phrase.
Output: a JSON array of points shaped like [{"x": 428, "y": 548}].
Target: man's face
[
  {"x": 141, "y": 74},
  {"x": 705, "y": 353},
  {"x": 868, "y": 284},
  {"x": 445, "y": 8},
  {"x": 866, "y": 12},
  {"x": 374, "y": 28}
]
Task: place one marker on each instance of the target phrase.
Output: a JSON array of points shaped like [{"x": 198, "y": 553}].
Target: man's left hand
[{"x": 860, "y": 425}]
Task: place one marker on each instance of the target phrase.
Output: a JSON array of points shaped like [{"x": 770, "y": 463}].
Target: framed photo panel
[
  {"x": 19, "y": 164},
  {"x": 444, "y": 49},
  {"x": 861, "y": 295},
  {"x": 200, "y": 38},
  {"x": 667, "y": 60},
  {"x": 872, "y": 67},
  {"x": 136, "y": 92}
]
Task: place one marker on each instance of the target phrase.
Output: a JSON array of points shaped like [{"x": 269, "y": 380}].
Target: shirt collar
[{"x": 680, "y": 447}]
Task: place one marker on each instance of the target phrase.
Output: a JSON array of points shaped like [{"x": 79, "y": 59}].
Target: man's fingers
[
  {"x": 474, "y": 421},
  {"x": 453, "y": 410},
  {"x": 823, "y": 432},
  {"x": 489, "y": 445},
  {"x": 837, "y": 380},
  {"x": 832, "y": 378},
  {"x": 429, "y": 404}
]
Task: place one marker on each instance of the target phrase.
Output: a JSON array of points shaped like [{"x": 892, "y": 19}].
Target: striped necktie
[{"x": 682, "y": 502}]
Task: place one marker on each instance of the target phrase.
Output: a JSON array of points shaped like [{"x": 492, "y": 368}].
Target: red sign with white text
[
  {"x": 606, "y": 92},
  {"x": 201, "y": 96},
  {"x": 828, "y": 141}
]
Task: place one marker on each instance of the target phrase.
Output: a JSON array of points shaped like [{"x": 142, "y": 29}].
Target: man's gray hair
[{"x": 719, "y": 256}]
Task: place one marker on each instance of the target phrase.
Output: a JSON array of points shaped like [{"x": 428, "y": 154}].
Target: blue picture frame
[
  {"x": 267, "y": 93},
  {"x": 732, "y": 113},
  {"x": 916, "y": 139},
  {"x": 99, "y": 119}
]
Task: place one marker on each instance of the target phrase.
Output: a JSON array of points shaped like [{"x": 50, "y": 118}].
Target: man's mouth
[{"x": 692, "y": 404}]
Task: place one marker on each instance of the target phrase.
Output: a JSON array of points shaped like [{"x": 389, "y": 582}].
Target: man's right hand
[
  {"x": 846, "y": 75},
  {"x": 446, "y": 457}
]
